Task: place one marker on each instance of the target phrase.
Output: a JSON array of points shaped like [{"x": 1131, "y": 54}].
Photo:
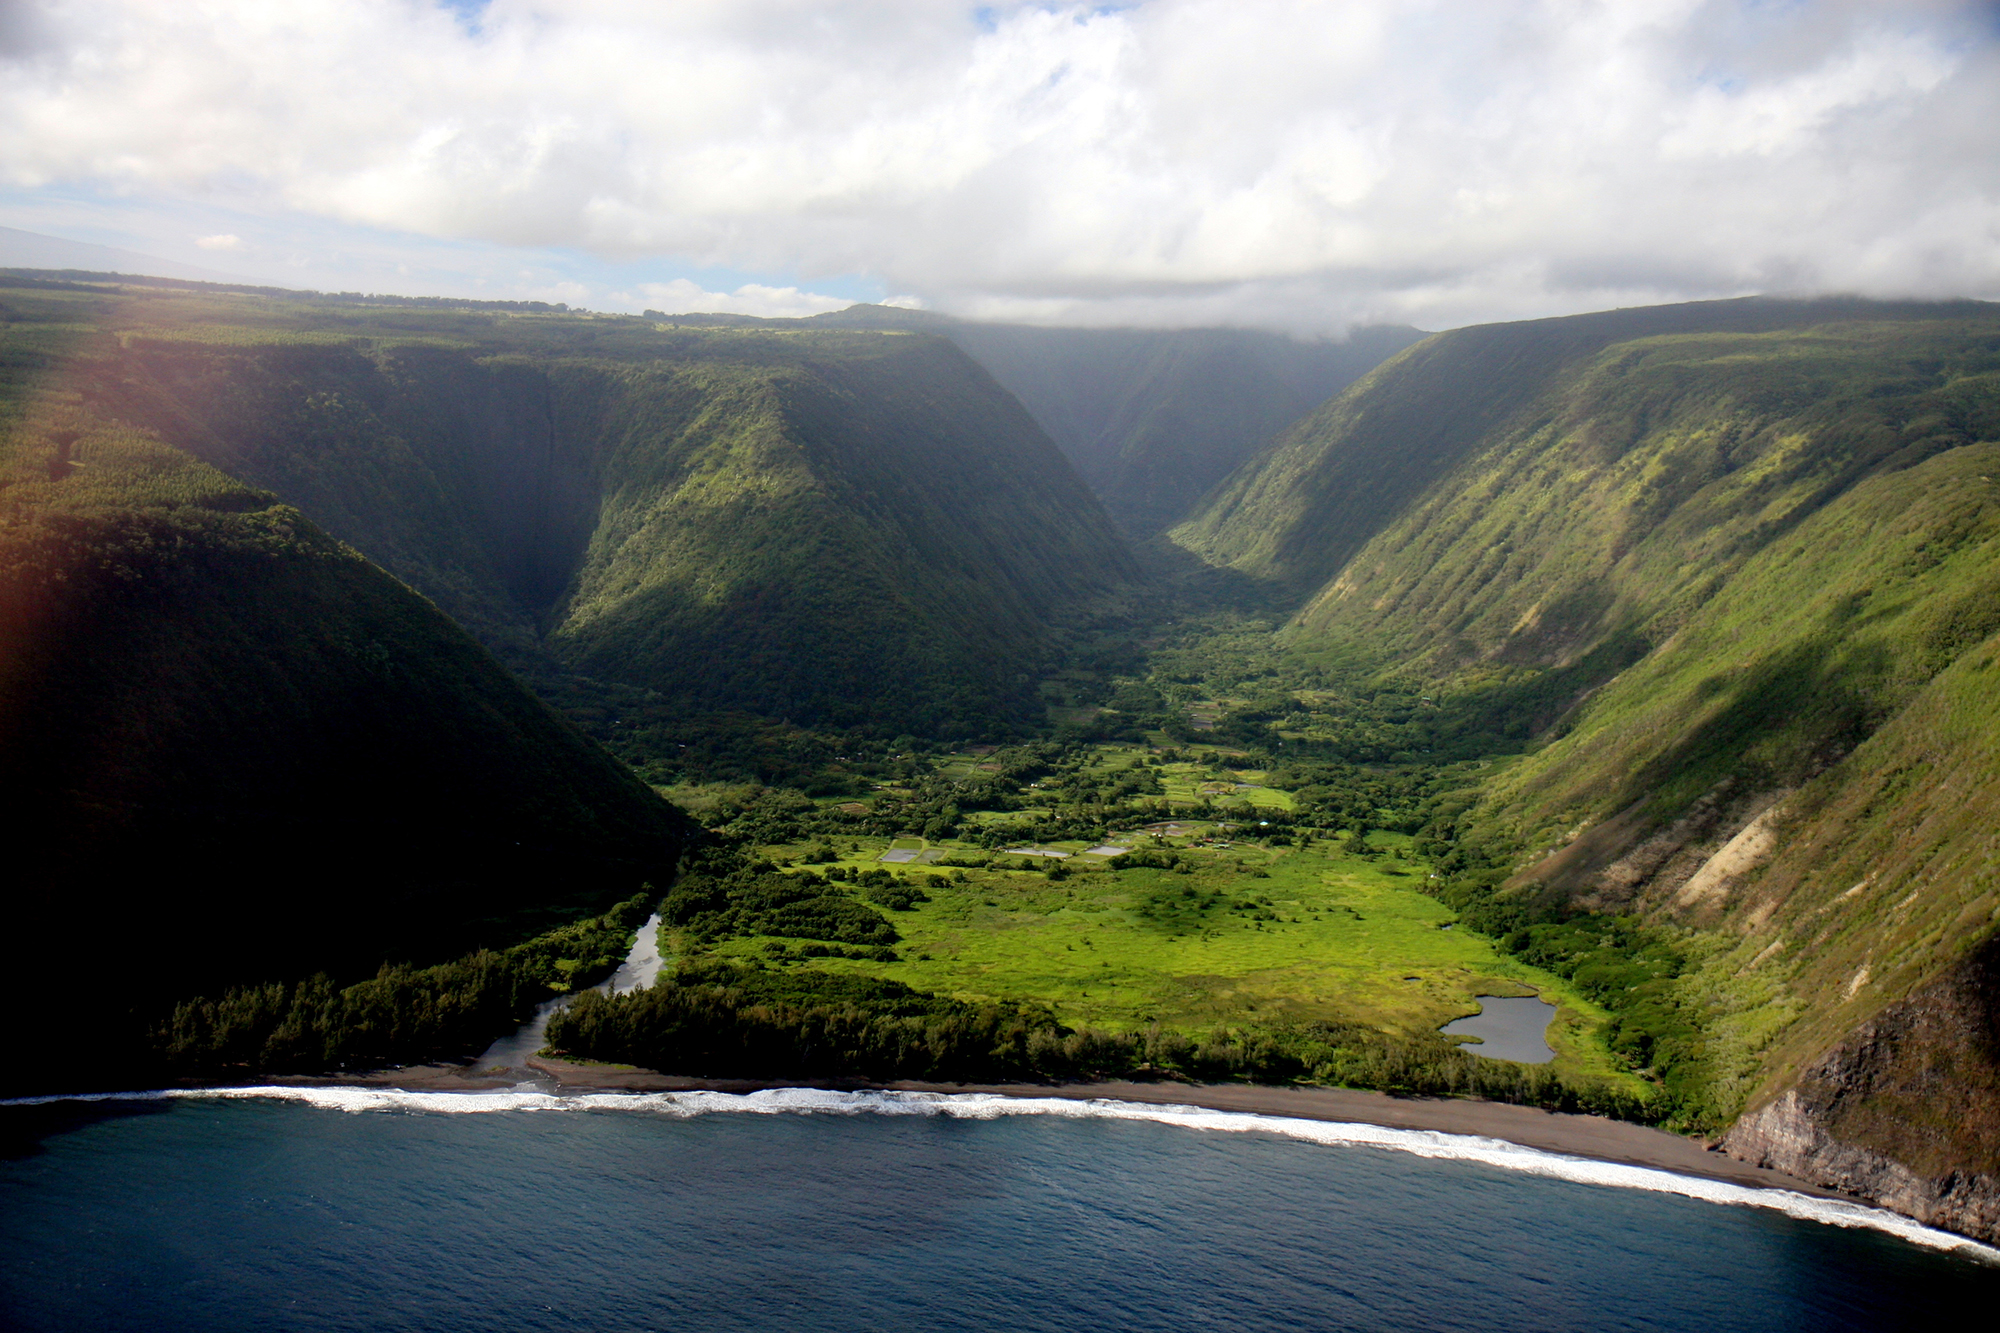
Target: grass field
[{"x": 1238, "y": 933}]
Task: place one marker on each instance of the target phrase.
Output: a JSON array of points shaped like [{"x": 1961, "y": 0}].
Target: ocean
[{"x": 338, "y": 1209}]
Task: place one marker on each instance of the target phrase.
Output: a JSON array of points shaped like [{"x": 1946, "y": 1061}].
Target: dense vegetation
[
  {"x": 1728, "y": 574},
  {"x": 725, "y": 1020},
  {"x": 241, "y": 752},
  {"x": 1654, "y": 405},
  {"x": 768, "y": 521},
  {"x": 745, "y": 901},
  {"x": 1219, "y": 947},
  {"x": 401, "y": 1015},
  {"x": 1642, "y": 659}
]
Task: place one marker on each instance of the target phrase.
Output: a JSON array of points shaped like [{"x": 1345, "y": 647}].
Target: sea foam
[{"x": 1427, "y": 1143}]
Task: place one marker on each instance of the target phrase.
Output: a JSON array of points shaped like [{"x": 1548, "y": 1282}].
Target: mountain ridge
[
  {"x": 1154, "y": 418},
  {"x": 1748, "y": 555},
  {"x": 237, "y": 752},
  {"x": 605, "y": 495}
]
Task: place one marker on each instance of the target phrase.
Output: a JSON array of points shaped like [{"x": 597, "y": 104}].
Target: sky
[{"x": 1260, "y": 163}]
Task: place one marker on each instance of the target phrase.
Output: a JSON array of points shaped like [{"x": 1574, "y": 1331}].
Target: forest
[{"x": 401, "y": 1015}]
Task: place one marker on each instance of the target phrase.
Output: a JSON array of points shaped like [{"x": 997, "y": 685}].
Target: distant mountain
[
  {"x": 832, "y": 526},
  {"x": 232, "y": 750},
  {"x": 1745, "y": 557},
  {"x": 1154, "y": 418},
  {"x": 32, "y": 250}
]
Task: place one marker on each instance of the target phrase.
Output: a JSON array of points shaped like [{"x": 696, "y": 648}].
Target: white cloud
[
  {"x": 222, "y": 241},
  {"x": 682, "y": 297},
  {"x": 1288, "y": 162}
]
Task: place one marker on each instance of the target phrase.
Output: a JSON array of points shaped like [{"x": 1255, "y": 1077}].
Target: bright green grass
[
  {"x": 1191, "y": 784},
  {"x": 1327, "y": 936}
]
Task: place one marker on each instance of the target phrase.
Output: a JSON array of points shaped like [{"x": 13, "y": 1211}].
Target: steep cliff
[
  {"x": 1740, "y": 565},
  {"x": 232, "y": 750},
  {"x": 1905, "y": 1110},
  {"x": 770, "y": 520},
  {"x": 1153, "y": 419}
]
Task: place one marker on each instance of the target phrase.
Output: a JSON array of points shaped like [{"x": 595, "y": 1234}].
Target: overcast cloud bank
[{"x": 1299, "y": 165}]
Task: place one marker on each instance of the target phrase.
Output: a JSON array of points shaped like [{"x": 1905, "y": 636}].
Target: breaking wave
[{"x": 987, "y": 1106}]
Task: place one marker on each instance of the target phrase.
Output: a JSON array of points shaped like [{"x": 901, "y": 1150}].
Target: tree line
[
  {"x": 401, "y": 1015},
  {"x": 720, "y": 1019}
]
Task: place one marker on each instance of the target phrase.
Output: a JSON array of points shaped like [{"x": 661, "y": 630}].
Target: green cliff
[
  {"x": 1745, "y": 558},
  {"x": 1154, "y": 418},
  {"x": 234, "y": 750},
  {"x": 780, "y": 521}
]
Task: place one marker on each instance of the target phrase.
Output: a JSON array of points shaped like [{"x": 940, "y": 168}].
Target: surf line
[{"x": 1436, "y": 1145}]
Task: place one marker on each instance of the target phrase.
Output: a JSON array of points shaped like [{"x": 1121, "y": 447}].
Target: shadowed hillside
[
  {"x": 1747, "y": 557},
  {"x": 772, "y": 520},
  {"x": 233, "y": 750},
  {"x": 1154, "y": 418}
]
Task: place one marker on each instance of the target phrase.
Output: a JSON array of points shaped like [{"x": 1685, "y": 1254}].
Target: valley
[
  {"x": 1640, "y": 661},
  {"x": 1211, "y": 916}
]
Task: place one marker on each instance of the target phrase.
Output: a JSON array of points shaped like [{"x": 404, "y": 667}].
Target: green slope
[
  {"x": 234, "y": 750},
  {"x": 772, "y": 520},
  {"x": 1299, "y": 513},
  {"x": 853, "y": 511},
  {"x": 1749, "y": 555},
  {"x": 1154, "y": 418}
]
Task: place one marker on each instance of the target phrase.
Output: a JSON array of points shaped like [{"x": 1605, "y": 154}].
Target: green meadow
[{"x": 1239, "y": 933}]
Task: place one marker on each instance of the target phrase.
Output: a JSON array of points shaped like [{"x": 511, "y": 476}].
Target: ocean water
[{"x": 796, "y": 1211}]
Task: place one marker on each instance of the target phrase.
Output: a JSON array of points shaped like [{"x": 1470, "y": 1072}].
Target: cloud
[
  {"x": 1285, "y": 162},
  {"x": 223, "y": 241},
  {"x": 682, "y": 297}
]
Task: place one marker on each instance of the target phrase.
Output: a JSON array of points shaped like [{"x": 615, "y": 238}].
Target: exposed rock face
[
  {"x": 1905, "y": 1112},
  {"x": 1738, "y": 857},
  {"x": 1786, "y": 1136},
  {"x": 1693, "y": 863}
]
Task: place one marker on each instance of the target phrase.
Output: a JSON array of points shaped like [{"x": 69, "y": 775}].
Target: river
[{"x": 511, "y": 1052}]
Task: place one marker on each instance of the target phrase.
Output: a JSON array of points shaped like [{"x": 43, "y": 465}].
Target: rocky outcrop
[
  {"x": 1738, "y": 857},
  {"x": 1905, "y": 1111},
  {"x": 1787, "y": 1136}
]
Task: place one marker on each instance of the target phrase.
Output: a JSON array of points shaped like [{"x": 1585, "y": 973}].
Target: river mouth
[
  {"x": 1508, "y": 1027},
  {"x": 513, "y": 1051}
]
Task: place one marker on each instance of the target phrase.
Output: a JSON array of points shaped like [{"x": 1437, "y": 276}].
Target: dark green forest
[{"x": 242, "y": 753}]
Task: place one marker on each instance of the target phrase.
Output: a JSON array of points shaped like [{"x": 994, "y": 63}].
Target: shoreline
[{"x": 1586, "y": 1136}]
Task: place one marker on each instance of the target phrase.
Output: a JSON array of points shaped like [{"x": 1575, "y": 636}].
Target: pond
[{"x": 1508, "y": 1028}]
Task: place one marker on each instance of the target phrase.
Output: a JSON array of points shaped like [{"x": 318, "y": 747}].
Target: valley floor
[{"x": 1238, "y": 924}]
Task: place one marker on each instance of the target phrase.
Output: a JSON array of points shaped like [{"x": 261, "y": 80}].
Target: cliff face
[
  {"x": 773, "y": 520},
  {"x": 233, "y": 751},
  {"x": 1905, "y": 1112},
  {"x": 1153, "y": 418},
  {"x": 1743, "y": 560}
]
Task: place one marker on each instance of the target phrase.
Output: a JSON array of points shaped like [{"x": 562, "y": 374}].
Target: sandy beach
[{"x": 1550, "y": 1131}]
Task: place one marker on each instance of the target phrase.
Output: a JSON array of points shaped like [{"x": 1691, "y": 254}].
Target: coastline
[{"x": 1585, "y": 1136}]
